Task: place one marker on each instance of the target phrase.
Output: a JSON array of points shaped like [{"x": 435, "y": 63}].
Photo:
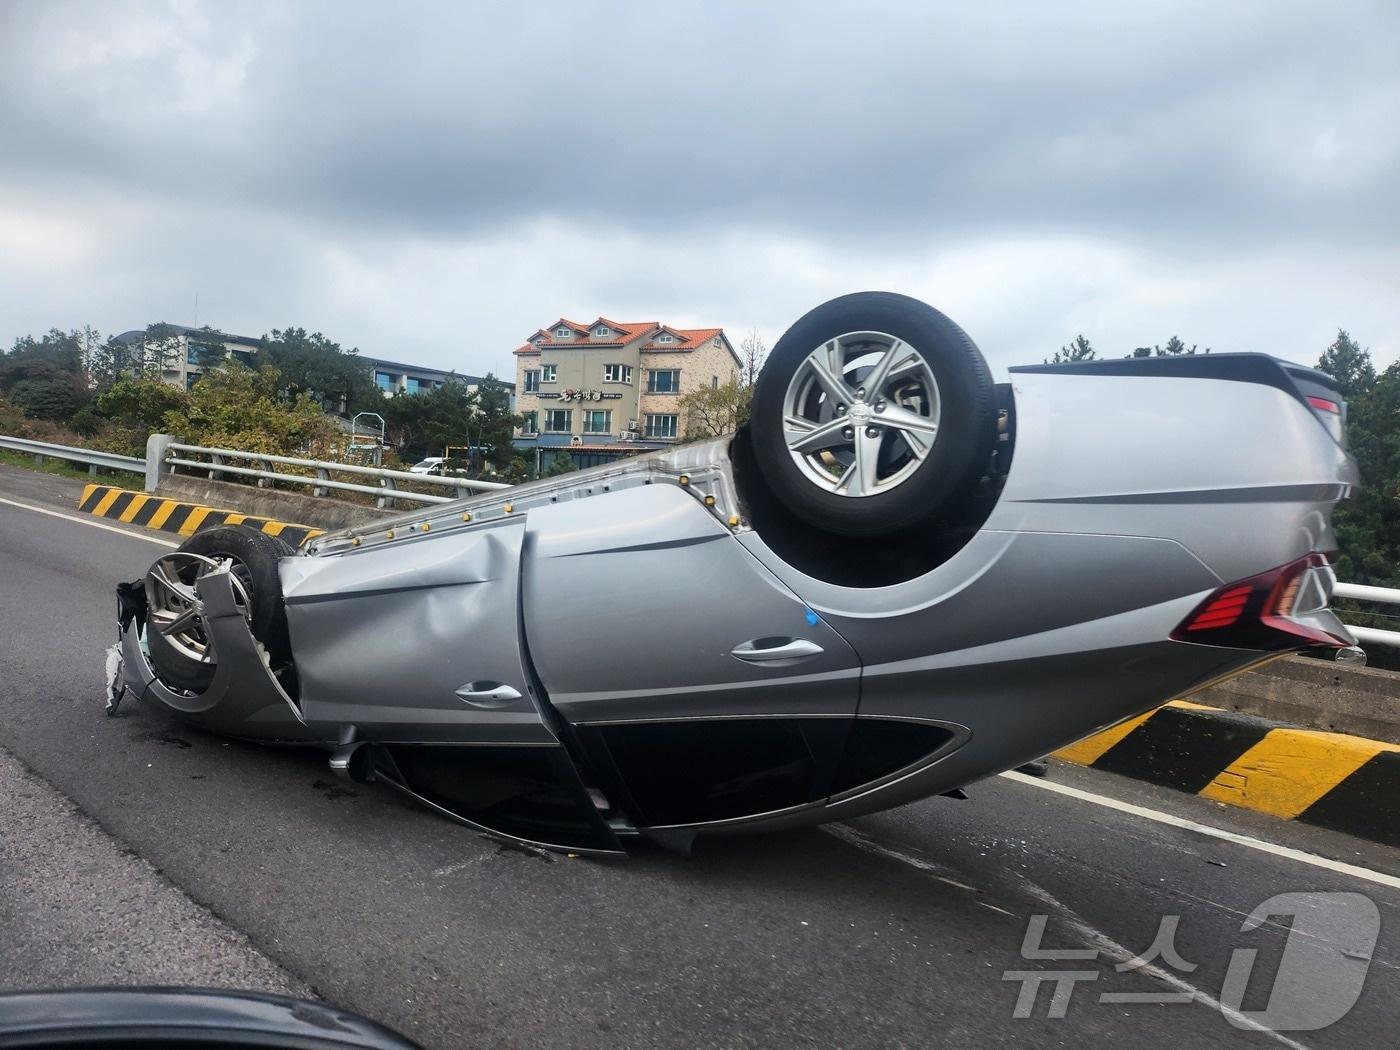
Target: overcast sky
[{"x": 432, "y": 183}]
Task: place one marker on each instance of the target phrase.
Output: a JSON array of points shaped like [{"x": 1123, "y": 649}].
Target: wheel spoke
[
  {"x": 826, "y": 367},
  {"x": 802, "y": 435},
  {"x": 879, "y": 375},
  {"x": 176, "y": 588},
  {"x": 862, "y": 474},
  {"x": 179, "y": 622},
  {"x": 908, "y": 422}
]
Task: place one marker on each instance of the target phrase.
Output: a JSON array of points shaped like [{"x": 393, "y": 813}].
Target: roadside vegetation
[{"x": 75, "y": 388}]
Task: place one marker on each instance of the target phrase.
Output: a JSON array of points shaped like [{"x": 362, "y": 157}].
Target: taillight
[
  {"x": 1268, "y": 612},
  {"x": 1221, "y": 611},
  {"x": 1325, "y": 405}
]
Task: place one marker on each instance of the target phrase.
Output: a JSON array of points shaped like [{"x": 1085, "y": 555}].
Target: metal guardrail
[
  {"x": 1382, "y": 596},
  {"x": 386, "y": 489},
  {"x": 92, "y": 458}
]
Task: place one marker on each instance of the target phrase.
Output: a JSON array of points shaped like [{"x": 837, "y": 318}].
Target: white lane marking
[
  {"x": 1108, "y": 946},
  {"x": 1287, "y": 852},
  {"x": 848, "y": 834},
  {"x": 87, "y": 521},
  {"x": 1105, "y": 944}
]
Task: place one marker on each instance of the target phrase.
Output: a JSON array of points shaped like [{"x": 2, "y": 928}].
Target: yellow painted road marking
[
  {"x": 1089, "y": 750},
  {"x": 162, "y": 514},
  {"x": 106, "y": 502},
  {"x": 235, "y": 519},
  {"x": 1290, "y": 769},
  {"x": 196, "y": 518},
  {"x": 1093, "y": 747},
  {"x": 88, "y": 490},
  {"x": 274, "y": 528},
  {"x": 133, "y": 508}
]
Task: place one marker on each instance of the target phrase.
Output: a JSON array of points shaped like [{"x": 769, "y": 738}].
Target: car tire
[
  {"x": 255, "y": 556},
  {"x": 915, "y": 444}
]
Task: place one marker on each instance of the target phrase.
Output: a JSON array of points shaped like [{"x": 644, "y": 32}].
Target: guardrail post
[
  {"x": 157, "y": 447},
  {"x": 215, "y": 461},
  {"x": 38, "y": 461},
  {"x": 386, "y": 501},
  {"x": 322, "y": 474},
  {"x": 266, "y": 483}
]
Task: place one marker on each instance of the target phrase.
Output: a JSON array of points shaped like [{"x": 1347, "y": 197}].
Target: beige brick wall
[{"x": 697, "y": 367}]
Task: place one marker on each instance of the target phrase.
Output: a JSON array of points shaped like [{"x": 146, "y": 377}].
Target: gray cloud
[{"x": 436, "y": 179}]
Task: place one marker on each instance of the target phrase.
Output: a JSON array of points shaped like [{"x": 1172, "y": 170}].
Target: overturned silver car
[{"x": 897, "y": 579}]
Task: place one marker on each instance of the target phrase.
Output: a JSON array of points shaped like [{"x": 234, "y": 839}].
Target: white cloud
[{"x": 433, "y": 182}]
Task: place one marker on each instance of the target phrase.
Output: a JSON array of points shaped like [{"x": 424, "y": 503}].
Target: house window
[
  {"x": 384, "y": 381},
  {"x": 530, "y": 423},
  {"x": 665, "y": 337},
  {"x": 661, "y": 426},
  {"x": 597, "y": 421},
  {"x": 558, "y": 420},
  {"x": 663, "y": 380},
  {"x": 714, "y": 382},
  {"x": 414, "y": 386},
  {"x": 617, "y": 373},
  {"x": 547, "y": 373},
  {"x": 532, "y": 380},
  {"x": 563, "y": 333},
  {"x": 602, "y": 332}
]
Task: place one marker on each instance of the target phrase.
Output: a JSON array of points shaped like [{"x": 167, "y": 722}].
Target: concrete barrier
[
  {"x": 1318, "y": 694},
  {"x": 181, "y": 518},
  {"x": 327, "y": 514},
  {"x": 1333, "y": 780}
]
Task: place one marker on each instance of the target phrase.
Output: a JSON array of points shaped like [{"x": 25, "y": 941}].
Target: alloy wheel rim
[
  {"x": 175, "y": 611},
  {"x": 861, "y": 414}
]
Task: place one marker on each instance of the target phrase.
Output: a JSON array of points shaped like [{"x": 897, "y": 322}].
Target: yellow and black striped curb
[
  {"x": 183, "y": 519},
  {"x": 1347, "y": 783}
]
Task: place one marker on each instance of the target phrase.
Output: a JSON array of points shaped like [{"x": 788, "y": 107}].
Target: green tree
[
  {"x": 1349, "y": 365},
  {"x": 311, "y": 364},
  {"x": 426, "y": 423},
  {"x": 1078, "y": 350},
  {"x": 1174, "y": 348},
  {"x": 715, "y": 411},
  {"x": 146, "y": 355},
  {"x": 140, "y": 403},
  {"x": 494, "y": 423},
  {"x": 236, "y": 407},
  {"x": 45, "y": 377}
]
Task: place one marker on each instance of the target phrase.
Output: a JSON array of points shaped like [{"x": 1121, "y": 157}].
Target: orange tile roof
[{"x": 686, "y": 339}]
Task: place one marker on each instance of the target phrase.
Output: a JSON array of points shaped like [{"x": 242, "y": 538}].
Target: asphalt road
[{"x": 896, "y": 929}]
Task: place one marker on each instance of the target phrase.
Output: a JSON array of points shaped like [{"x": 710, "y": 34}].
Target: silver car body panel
[
  {"x": 640, "y": 593},
  {"x": 628, "y": 622}
]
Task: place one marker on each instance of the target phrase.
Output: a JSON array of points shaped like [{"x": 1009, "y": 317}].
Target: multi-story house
[{"x": 611, "y": 388}]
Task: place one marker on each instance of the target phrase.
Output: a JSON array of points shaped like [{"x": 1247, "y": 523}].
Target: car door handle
[
  {"x": 488, "y": 694},
  {"x": 778, "y": 651}
]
